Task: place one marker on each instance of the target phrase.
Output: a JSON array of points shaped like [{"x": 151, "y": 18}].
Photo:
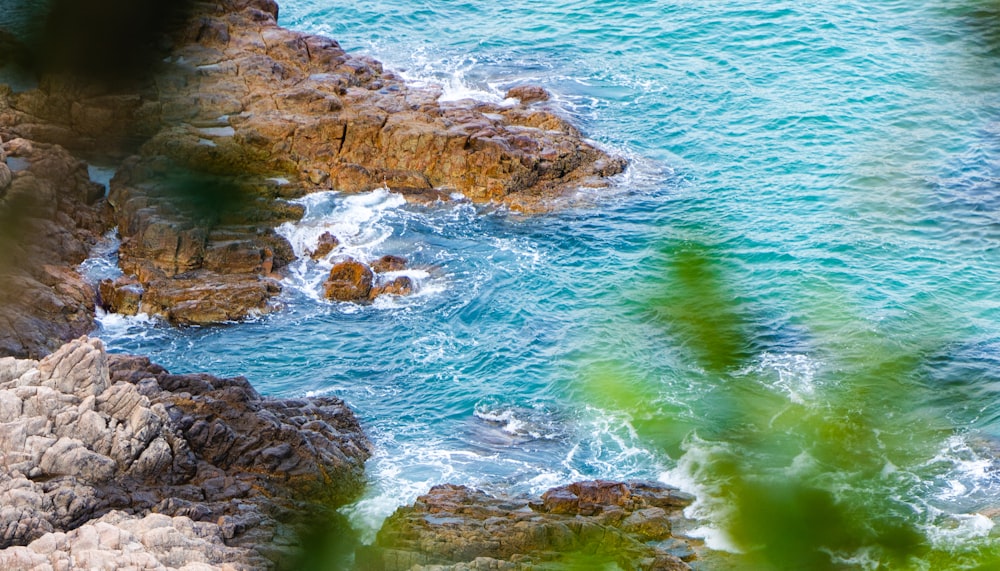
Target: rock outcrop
[
  {"x": 113, "y": 461},
  {"x": 586, "y": 524},
  {"x": 243, "y": 114},
  {"x": 351, "y": 280},
  {"x": 50, "y": 215}
]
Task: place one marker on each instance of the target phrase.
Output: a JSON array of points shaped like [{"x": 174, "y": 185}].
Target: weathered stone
[
  {"x": 6, "y": 177},
  {"x": 324, "y": 245},
  {"x": 401, "y": 285},
  {"x": 84, "y": 433},
  {"x": 49, "y": 215},
  {"x": 388, "y": 264},
  {"x": 455, "y": 527},
  {"x": 349, "y": 280},
  {"x": 121, "y": 295},
  {"x": 528, "y": 93},
  {"x": 238, "y": 100}
]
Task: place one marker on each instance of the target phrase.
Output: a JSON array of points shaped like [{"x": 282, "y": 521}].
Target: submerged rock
[
  {"x": 401, "y": 285},
  {"x": 108, "y": 461},
  {"x": 586, "y": 524}
]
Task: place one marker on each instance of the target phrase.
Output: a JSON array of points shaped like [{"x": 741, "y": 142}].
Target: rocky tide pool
[{"x": 787, "y": 305}]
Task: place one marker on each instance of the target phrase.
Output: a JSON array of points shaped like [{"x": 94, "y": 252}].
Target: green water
[{"x": 787, "y": 305}]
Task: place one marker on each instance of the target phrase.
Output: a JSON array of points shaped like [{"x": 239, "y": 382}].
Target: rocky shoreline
[{"x": 110, "y": 461}]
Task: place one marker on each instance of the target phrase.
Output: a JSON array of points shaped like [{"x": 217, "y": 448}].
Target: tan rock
[
  {"x": 6, "y": 177},
  {"x": 84, "y": 433},
  {"x": 121, "y": 295}
]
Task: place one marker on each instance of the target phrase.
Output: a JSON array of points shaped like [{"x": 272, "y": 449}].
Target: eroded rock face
[
  {"x": 113, "y": 456},
  {"x": 586, "y": 523},
  {"x": 50, "y": 215},
  {"x": 242, "y": 100}
]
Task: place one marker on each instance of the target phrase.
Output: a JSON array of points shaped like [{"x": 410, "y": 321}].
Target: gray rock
[{"x": 109, "y": 461}]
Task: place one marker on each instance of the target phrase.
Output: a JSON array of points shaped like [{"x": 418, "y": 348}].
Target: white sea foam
[
  {"x": 692, "y": 475},
  {"x": 788, "y": 373},
  {"x": 226, "y": 131},
  {"x": 362, "y": 224},
  {"x": 103, "y": 260}
]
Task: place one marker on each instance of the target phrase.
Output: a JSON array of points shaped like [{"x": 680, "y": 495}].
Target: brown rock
[
  {"x": 528, "y": 93},
  {"x": 48, "y": 219},
  {"x": 648, "y": 524},
  {"x": 402, "y": 285},
  {"x": 460, "y": 528},
  {"x": 389, "y": 263},
  {"x": 239, "y": 100},
  {"x": 207, "y": 297},
  {"x": 121, "y": 295},
  {"x": 349, "y": 280},
  {"x": 326, "y": 243}
]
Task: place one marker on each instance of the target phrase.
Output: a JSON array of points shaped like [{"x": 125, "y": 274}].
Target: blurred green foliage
[{"x": 806, "y": 483}]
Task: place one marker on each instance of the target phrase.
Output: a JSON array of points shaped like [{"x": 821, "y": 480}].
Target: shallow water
[{"x": 832, "y": 169}]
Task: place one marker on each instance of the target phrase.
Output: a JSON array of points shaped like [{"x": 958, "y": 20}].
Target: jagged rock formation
[
  {"x": 586, "y": 524},
  {"x": 50, "y": 215},
  {"x": 110, "y": 459},
  {"x": 240, "y": 101}
]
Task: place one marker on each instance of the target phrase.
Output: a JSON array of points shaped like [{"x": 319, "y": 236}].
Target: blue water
[{"x": 838, "y": 161}]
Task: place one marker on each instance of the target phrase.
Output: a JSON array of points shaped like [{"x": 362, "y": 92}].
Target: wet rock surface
[
  {"x": 586, "y": 524},
  {"x": 108, "y": 461}
]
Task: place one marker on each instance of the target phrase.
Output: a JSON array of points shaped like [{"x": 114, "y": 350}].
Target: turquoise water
[{"x": 830, "y": 169}]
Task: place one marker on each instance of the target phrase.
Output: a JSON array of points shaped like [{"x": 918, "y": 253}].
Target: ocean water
[{"x": 788, "y": 304}]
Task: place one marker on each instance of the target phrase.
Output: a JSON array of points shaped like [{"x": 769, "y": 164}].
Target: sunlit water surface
[{"x": 838, "y": 162}]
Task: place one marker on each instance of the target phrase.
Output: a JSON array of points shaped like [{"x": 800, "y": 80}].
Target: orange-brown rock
[
  {"x": 389, "y": 263},
  {"x": 401, "y": 285},
  {"x": 324, "y": 245},
  {"x": 350, "y": 280},
  {"x": 200, "y": 299},
  {"x": 528, "y": 93},
  {"x": 461, "y": 528},
  {"x": 238, "y": 100},
  {"x": 121, "y": 295}
]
